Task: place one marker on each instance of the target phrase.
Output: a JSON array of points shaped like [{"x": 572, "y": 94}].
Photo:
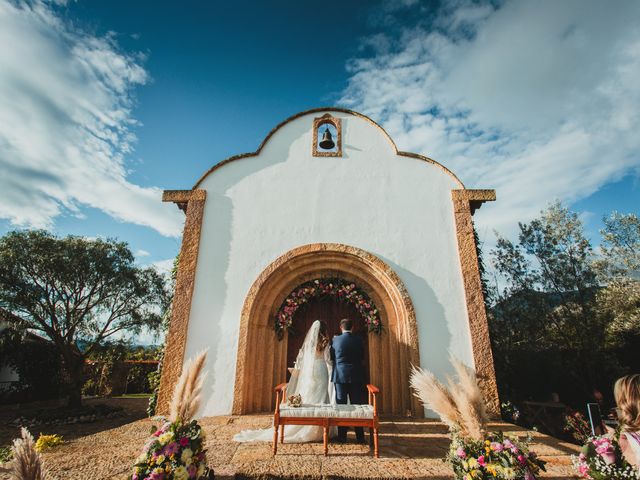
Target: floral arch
[{"x": 327, "y": 287}]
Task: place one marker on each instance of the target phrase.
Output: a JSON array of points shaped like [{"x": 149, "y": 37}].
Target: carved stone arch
[{"x": 261, "y": 361}]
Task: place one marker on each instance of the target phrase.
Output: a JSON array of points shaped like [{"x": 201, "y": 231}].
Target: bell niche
[{"x": 327, "y": 137}]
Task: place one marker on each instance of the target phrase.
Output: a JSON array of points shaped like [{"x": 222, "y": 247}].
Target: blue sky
[{"x": 103, "y": 104}]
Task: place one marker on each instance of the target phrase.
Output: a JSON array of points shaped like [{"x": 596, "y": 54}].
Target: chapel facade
[{"x": 326, "y": 219}]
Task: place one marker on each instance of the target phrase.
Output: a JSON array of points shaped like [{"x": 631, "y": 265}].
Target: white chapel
[{"x": 326, "y": 220}]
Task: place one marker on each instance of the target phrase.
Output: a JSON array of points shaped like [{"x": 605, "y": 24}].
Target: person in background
[{"x": 627, "y": 394}]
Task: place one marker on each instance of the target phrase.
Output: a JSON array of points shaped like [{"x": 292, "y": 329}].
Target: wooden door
[{"x": 331, "y": 310}]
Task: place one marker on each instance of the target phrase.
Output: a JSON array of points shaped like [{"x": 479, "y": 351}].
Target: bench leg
[
  {"x": 325, "y": 438},
  {"x": 376, "y": 452},
  {"x": 275, "y": 439},
  {"x": 370, "y": 436},
  {"x": 281, "y": 433}
]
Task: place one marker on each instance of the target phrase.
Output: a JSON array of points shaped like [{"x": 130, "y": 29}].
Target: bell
[{"x": 327, "y": 140}]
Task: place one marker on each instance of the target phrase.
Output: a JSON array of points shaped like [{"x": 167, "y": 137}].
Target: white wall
[{"x": 397, "y": 208}]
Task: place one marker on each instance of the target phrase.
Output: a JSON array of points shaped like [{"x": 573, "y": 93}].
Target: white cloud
[
  {"x": 66, "y": 123},
  {"x": 164, "y": 266},
  {"x": 539, "y": 100},
  {"x": 142, "y": 253}
]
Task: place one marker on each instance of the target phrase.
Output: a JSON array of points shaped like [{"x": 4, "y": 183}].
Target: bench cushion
[{"x": 327, "y": 411}]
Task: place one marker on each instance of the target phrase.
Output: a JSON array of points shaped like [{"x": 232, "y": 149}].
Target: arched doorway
[
  {"x": 331, "y": 310},
  {"x": 262, "y": 356}
]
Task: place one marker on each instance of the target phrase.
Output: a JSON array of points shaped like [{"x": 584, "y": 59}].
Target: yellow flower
[
  {"x": 165, "y": 438},
  {"x": 160, "y": 459},
  {"x": 487, "y": 442},
  {"x": 187, "y": 453},
  {"x": 180, "y": 473},
  {"x": 200, "y": 470},
  {"x": 473, "y": 463},
  {"x": 48, "y": 441},
  {"x": 158, "y": 470}
]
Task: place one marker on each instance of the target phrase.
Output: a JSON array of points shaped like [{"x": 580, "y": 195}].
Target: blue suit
[{"x": 348, "y": 375}]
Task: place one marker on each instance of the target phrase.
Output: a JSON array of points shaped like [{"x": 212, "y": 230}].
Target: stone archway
[{"x": 261, "y": 361}]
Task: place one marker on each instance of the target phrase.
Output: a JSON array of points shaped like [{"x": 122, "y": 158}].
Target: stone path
[{"x": 408, "y": 449}]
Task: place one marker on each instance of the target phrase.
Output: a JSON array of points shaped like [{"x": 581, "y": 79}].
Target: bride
[{"x": 311, "y": 380}]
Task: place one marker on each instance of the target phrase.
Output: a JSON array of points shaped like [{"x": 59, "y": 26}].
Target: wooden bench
[{"x": 326, "y": 416}]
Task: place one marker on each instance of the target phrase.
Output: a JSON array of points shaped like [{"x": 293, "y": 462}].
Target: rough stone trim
[
  {"x": 327, "y": 109},
  {"x": 185, "y": 280},
  {"x": 317, "y": 123},
  {"x": 304, "y": 263},
  {"x": 477, "y": 315}
]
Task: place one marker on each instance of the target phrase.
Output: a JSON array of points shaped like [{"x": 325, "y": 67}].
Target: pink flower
[
  {"x": 481, "y": 461},
  {"x": 497, "y": 446},
  {"x": 461, "y": 453},
  {"x": 192, "y": 470},
  {"x": 184, "y": 441},
  {"x": 583, "y": 469},
  {"x": 522, "y": 460},
  {"x": 156, "y": 476},
  {"x": 134, "y": 477},
  {"x": 609, "y": 457},
  {"x": 158, "y": 433},
  {"x": 529, "y": 476}
]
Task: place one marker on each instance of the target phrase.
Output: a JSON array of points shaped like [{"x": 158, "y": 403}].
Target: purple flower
[
  {"x": 497, "y": 446},
  {"x": 171, "y": 449}
]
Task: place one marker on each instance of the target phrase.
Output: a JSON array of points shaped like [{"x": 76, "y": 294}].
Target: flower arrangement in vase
[
  {"x": 176, "y": 449},
  {"x": 474, "y": 453},
  {"x": 601, "y": 459}
]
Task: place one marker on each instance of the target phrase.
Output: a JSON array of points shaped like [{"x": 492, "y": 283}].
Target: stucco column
[
  {"x": 464, "y": 203},
  {"x": 193, "y": 202}
]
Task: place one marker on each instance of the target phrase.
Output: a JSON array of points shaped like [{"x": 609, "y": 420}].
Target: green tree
[
  {"x": 546, "y": 301},
  {"x": 619, "y": 268},
  {"x": 77, "y": 292}
]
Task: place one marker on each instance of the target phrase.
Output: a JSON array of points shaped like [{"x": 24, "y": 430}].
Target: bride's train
[{"x": 311, "y": 380}]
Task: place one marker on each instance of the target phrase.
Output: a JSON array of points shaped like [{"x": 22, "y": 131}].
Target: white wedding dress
[{"x": 311, "y": 379}]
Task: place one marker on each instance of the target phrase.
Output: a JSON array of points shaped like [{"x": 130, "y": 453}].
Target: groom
[{"x": 347, "y": 353}]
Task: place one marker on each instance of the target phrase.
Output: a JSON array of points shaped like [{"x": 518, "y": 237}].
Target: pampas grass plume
[
  {"x": 186, "y": 394},
  {"x": 461, "y": 406},
  {"x": 435, "y": 396},
  {"x": 27, "y": 463}
]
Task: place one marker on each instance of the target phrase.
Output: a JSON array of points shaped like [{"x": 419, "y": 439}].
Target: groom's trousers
[{"x": 355, "y": 393}]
